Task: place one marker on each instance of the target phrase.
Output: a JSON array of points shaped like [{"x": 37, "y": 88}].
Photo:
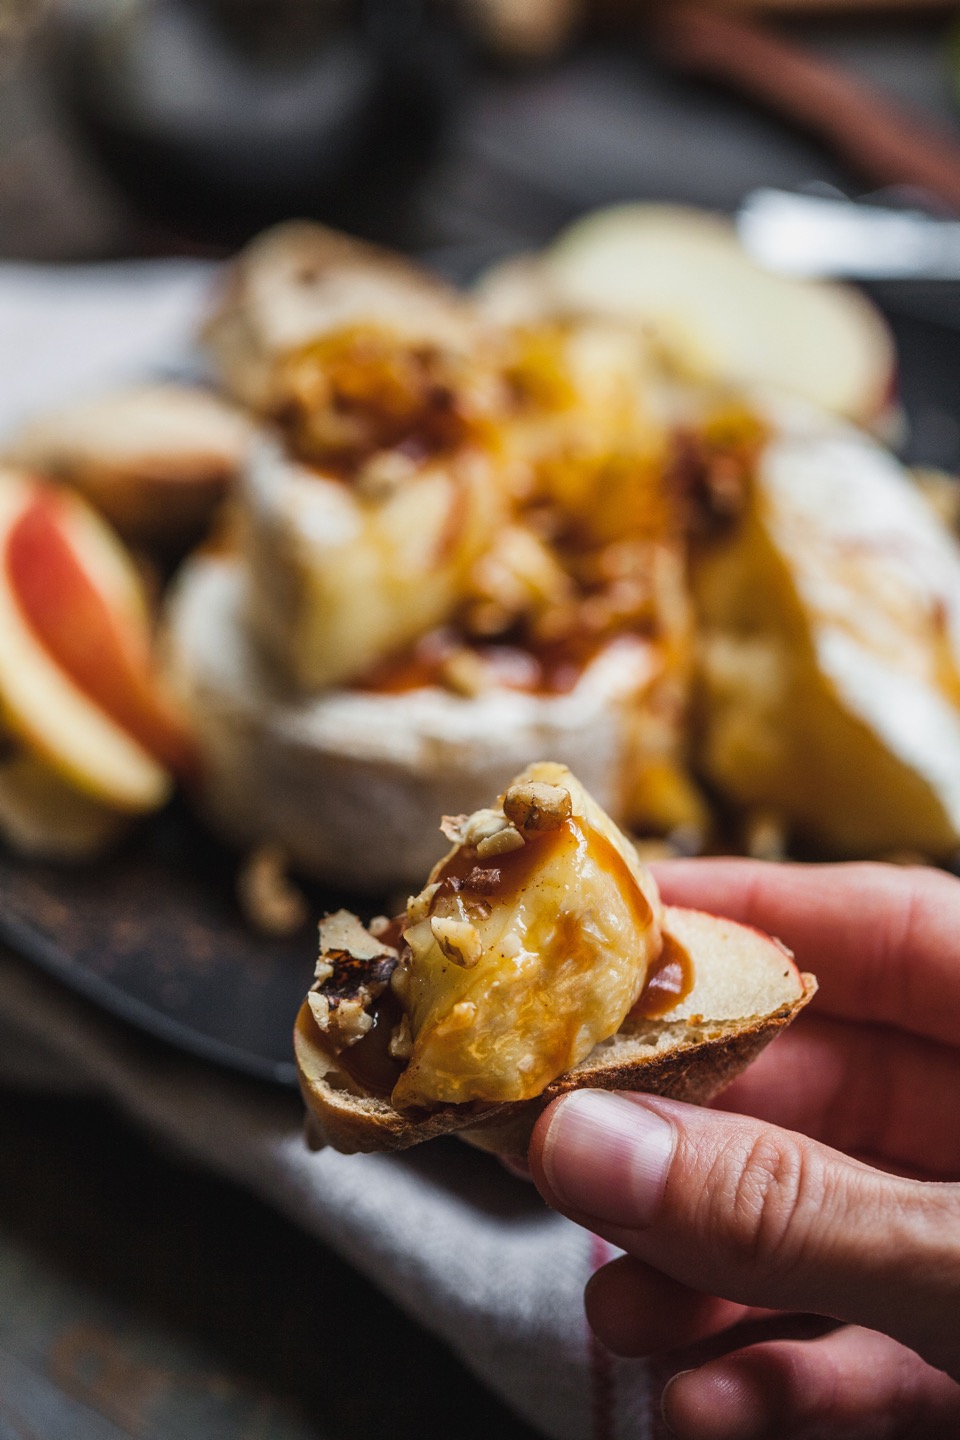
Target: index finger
[{"x": 883, "y": 940}]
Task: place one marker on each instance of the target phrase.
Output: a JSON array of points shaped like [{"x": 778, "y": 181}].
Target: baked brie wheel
[
  {"x": 350, "y": 782},
  {"x": 537, "y": 958}
]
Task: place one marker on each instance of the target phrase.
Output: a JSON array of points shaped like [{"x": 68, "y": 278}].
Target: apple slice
[
  {"x": 43, "y": 817},
  {"x": 716, "y": 317},
  {"x": 59, "y": 633},
  {"x": 59, "y": 596}
]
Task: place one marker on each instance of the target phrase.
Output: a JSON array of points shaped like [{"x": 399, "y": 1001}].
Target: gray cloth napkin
[{"x": 466, "y": 1249}]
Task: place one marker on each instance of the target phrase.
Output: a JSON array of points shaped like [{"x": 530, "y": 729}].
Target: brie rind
[
  {"x": 351, "y": 783},
  {"x": 830, "y": 647}
]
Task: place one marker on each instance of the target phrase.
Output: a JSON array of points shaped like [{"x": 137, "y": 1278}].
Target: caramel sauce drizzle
[
  {"x": 501, "y": 878},
  {"x": 669, "y": 980},
  {"x": 369, "y": 1062}
]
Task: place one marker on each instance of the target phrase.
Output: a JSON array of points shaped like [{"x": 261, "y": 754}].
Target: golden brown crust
[
  {"x": 298, "y": 282},
  {"x": 154, "y": 459},
  {"x": 685, "y": 1069}
]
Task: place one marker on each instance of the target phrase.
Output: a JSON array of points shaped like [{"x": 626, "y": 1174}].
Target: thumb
[{"x": 738, "y": 1208}]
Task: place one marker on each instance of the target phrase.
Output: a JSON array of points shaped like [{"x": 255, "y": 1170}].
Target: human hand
[{"x": 828, "y": 1183}]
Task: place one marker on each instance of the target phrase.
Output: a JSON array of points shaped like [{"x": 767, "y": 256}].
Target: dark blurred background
[
  {"x": 458, "y": 129},
  {"x": 138, "y": 1298}
]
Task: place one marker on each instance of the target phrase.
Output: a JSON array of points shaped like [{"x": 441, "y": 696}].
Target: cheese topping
[{"x": 522, "y": 956}]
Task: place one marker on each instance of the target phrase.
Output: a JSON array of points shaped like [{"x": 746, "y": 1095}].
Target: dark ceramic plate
[{"x": 154, "y": 936}]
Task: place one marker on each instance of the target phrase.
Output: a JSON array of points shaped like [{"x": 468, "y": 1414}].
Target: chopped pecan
[
  {"x": 532, "y": 805},
  {"x": 458, "y": 939},
  {"x": 353, "y": 970},
  {"x": 501, "y": 843}
]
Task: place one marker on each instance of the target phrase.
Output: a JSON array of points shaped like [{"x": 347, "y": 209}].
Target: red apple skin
[{"x": 71, "y": 618}]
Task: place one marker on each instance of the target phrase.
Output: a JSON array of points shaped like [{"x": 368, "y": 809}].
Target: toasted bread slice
[
  {"x": 154, "y": 459},
  {"x": 349, "y": 348},
  {"x": 746, "y": 989}
]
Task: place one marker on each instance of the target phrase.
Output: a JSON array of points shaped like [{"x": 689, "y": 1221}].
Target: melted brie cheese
[
  {"x": 339, "y": 578},
  {"x": 830, "y": 644},
  {"x": 528, "y": 946}
]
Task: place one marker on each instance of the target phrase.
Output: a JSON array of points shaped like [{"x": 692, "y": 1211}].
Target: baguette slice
[
  {"x": 154, "y": 459},
  {"x": 298, "y": 283},
  {"x": 746, "y": 989}
]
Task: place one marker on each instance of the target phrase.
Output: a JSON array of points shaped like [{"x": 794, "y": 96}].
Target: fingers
[
  {"x": 864, "y": 1089},
  {"x": 855, "y": 1383},
  {"x": 636, "y": 1310},
  {"x": 761, "y": 1216},
  {"x": 881, "y": 939}
]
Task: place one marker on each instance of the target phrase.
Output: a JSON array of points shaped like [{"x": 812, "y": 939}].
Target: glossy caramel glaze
[
  {"x": 369, "y": 1062},
  {"x": 669, "y": 981},
  {"x": 501, "y": 878}
]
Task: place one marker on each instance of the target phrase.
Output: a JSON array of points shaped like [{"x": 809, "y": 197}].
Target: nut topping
[
  {"x": 354, "y": 968},
  {"x": 418, "y": 906},
  {"x": 505, "y": 840},
  {"x": 268, "y": 898},
  {"x": 401, "y": 1041},
  {"x": 452, "y": 827},
  {"x": 533, "y": 805},
  {"x": 458, "y": 939}
]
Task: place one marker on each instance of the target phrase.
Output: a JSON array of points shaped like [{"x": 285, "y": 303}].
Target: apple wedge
[
  {"x": 829, "y": 619},
  {"x": 75, "y": 688},
  {"x": 745, "y": 989},
  {"x": 713, "y": 315},
  {"x": 44, "y": 817}
]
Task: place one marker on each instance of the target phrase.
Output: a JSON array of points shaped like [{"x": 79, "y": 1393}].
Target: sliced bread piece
[
  {"x": 745, "y": 989},
  {"x": 537, "y": 958}
]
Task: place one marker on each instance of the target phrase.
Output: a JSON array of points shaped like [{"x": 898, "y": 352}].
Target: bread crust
[
  {"x": 300, "y": 281},
  {"x": 692, "y": 1063}
]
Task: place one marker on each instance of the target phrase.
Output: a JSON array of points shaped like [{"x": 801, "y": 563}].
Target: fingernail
[
  {"x": 608, "y": 1156},
  {"x": 664, "y": 1401},
  {"x": 721, "y": 1399}
]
